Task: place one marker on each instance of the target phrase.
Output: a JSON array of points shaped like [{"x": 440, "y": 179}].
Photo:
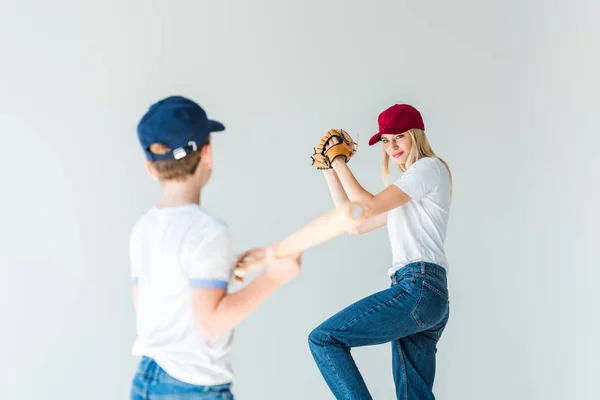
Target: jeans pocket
[
  {"x": 432, "y": 305},
  {"x": 442, "y": 325}
]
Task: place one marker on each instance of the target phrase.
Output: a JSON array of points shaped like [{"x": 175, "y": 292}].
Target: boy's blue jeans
[
  {"x": 410, "y": 315},
  {"x": 151, "y": 382}
]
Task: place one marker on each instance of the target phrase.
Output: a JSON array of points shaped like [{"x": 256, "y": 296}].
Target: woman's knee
[
  {"x": 315, "y": 337},
  {"x": 321, "y": 336}
]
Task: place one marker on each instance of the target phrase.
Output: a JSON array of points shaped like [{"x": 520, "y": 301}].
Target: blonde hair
[
  {"x": 175, "y": 170},
  {"x": 420, "y": 148}
]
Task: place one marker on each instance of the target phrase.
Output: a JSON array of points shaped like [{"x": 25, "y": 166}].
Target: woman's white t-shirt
[{"x": 417, "y": 229}]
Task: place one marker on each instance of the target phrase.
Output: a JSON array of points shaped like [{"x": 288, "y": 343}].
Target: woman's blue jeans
[{"x": 410, "y": 315}]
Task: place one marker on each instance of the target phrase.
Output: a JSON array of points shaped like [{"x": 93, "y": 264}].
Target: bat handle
[
  {"x": 351, "y": 213},
  {"x": 247, "y": 267}
]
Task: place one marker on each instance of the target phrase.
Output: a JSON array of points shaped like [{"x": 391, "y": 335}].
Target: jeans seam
[
  {"x": 431, "y": 277},
  {"x": 349, "y": 323},
  {"x": 441, "y": 329},
  {"x": 139, "y": 390},
  {"x": 414, "y": 311},
  {"x": 404, "y": 375},
  {"x": 337, "y": 375},
  {"x": 434, "y": 289},
  {"x": 425, "y": 285},
  {"x": 157, "y": 373},
  {"x": 147, "y": 378}
]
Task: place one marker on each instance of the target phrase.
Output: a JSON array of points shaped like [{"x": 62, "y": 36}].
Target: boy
[{"x": 182, "y": 262}]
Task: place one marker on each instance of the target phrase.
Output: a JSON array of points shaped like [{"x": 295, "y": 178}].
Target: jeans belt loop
[{"x": 156, "y": 372}]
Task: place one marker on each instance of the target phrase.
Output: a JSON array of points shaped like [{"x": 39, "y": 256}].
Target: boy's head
[{"x": 175, "y": 136}]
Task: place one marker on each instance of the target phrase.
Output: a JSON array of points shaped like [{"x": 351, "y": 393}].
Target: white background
[{"x": 509, "y": 92}]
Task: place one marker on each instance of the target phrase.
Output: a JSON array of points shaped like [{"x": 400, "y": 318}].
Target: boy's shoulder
[
  {"x": 140, "y": 223},
  {"x": 193, "y": 219},
  {"x": 204, "y": 226},
  {"x": 201, "y": 218},
  {"x": 207, "y": 237}
]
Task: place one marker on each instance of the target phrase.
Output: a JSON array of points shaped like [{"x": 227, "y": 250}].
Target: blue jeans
[
  {"x": 410, "y": 315},
  {"x": 151, "y": 382}
]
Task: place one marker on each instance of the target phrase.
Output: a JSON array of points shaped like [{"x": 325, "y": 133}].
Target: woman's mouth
[{"x": 397, "y": 154}]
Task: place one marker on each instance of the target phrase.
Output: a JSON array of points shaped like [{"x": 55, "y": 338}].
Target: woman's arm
[
  {"x": 338, "y": 194},
  {"x": 369, "y": 225},
  {"x": 375, "y": 205}
]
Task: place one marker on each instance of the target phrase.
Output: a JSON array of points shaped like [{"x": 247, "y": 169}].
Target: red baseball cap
[{"x": 397, "y": 119}]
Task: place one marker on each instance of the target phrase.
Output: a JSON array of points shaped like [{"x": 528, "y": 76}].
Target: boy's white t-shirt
[
  {"x": 173, "y": 250},
  {"x": 417, "y": 229}
]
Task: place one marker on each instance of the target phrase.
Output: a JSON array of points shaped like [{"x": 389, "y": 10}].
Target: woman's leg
[
  {"x": 414, "y": 364},
  {"x": 414, "y": 356},
  {"x": 400, "y": 311}
]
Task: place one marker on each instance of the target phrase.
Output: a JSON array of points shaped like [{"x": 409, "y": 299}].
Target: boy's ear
[
  {"x": 150, "y": 170},
  {"x": 206, "y": 155}
]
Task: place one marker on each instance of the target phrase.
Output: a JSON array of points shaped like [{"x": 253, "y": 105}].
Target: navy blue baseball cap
[{"x": 178, "y": 123}]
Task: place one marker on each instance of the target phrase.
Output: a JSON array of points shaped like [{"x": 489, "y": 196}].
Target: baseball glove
[{"x": 335, "y": 143}]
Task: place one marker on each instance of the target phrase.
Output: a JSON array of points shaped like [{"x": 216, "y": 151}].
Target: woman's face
[{"x": 397, "y": 146}]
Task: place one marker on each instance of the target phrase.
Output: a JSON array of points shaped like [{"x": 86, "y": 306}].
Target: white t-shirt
[
  {"x": 417, "y": 229},
  {"x": 172, "y": 250}
]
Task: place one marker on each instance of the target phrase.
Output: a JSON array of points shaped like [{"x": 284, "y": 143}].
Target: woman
[{"x": 413, "y": 312}]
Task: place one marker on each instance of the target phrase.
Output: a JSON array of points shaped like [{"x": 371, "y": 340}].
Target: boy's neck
[{"x": 180, "y": 194}]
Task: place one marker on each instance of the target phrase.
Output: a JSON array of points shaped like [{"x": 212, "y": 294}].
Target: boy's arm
[
  {"x": 210, "y": 265},
  {"x": 215, "y": 311}
]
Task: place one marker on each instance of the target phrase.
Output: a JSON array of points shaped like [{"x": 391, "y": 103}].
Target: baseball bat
[{"x": 319, "y": 230}]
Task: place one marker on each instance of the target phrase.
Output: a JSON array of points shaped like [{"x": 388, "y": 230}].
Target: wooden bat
[{"x": 319, "y": 230}]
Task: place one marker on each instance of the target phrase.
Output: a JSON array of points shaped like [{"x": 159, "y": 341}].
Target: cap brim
[
  {"x": 216, "y": 126},
  {"x": 374, "y": 139},
  {"x": 377, "y": 137}
]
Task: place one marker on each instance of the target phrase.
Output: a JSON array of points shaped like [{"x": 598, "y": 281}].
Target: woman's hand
[
  {"x": 332, "y": 140},
  {"x": 281, "y": 270}
]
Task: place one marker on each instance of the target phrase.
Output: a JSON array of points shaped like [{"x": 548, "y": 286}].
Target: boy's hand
[
  {"x": 281, "y": 270},
  {"x": 246, "y": 256}
]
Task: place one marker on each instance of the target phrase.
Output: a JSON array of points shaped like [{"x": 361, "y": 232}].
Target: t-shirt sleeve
[
  {"x": 419, "y": 179},
  {"x": 208, "y": 259}
]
